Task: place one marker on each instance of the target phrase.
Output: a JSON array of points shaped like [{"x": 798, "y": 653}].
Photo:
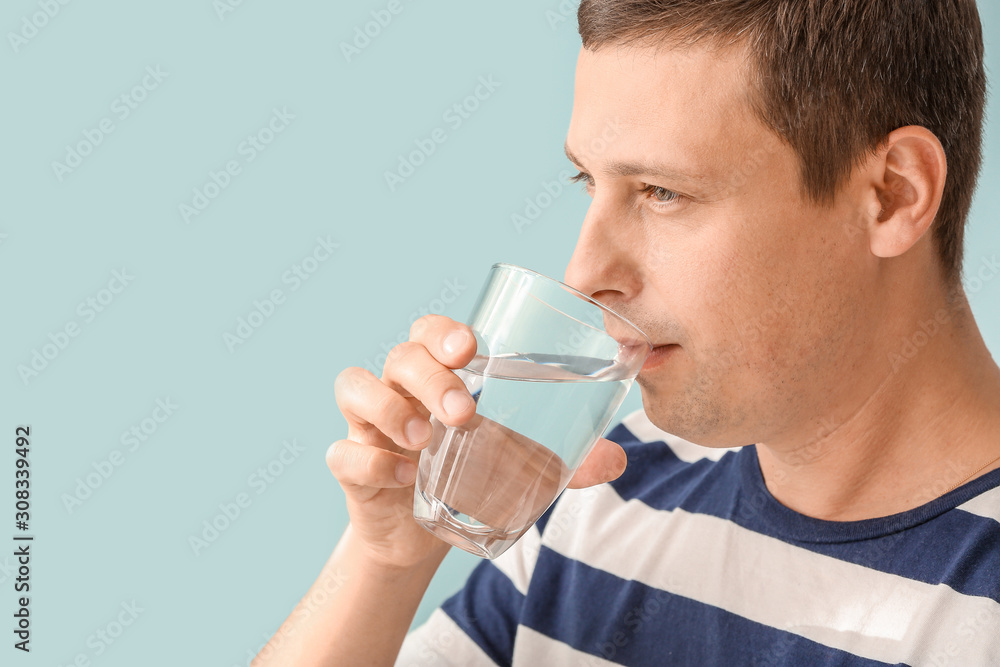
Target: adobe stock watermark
[
  {"x": 132, "y": 438},
  {"x": 816, "y": 447},
  {"x": 365, "y": 34},
  {"x": 919, "y": 339},
  {"x": 973, "y": 625},
  {"x": 782, "y": 309},
  {"x": 988, "y": 269},
  {"x": 87, "y": 310},
  {"x": 579, "y": 336},
  {"x": 564, "y": 12},
  {"x": 454, "y": 117},
  {"x": 633, "y": 622},
  {"x": 326, "y": 585},
  {"x": 535, "y": 206},
  {"x": 32, "y": 23},
  {"x": 911, "y": 345},
  {"x": 564, "y": 516},
  {"x": 452, "y": 289},
  {"x": 224, "y": 7},
  {"x": 121, "y": 107},
  {"x": 105, "y": 636},
  {"x": 230, "y": 511},
  {"x": 549, "y": 191},
  {"x": 264, "y": 309},
  {"x": 246, "y": 152},
  {"x": 438, "y": 649}
]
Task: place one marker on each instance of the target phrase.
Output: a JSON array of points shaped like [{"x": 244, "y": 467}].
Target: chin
[{"x": 706, "y": 423}]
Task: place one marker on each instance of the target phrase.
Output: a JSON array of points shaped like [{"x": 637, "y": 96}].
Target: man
[{"x": 782, "y": 212}]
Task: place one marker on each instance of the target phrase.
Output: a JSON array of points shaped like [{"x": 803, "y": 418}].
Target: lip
[{"x": 659, "y": 355}]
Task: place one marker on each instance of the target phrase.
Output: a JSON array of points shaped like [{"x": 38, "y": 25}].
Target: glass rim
[{"x": 573, "y": 290}]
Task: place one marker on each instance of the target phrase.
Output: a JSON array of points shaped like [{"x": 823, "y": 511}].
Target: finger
[
  {"x": 353, "y": 463},
  {"x": 606, "y": 462},
  {"x": 366, "y": 401},
  {"x": 411, "y": 370},
  {"x": 451, "y": 343}
]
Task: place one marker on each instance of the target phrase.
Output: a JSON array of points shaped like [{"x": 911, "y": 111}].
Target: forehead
[{"x": 688, "y": 104}]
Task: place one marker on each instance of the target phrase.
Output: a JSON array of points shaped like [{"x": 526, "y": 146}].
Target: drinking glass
[{"x": 552, "y": 367}]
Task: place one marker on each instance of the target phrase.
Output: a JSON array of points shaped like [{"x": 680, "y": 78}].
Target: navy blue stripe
[
  {"x": 487, "y": 609},
  {"x": 632, "y": 624},
  {"x": 547, "y": 514},
  {"x": 932, "y": 544},
  {"x": 956, "y": 549}
]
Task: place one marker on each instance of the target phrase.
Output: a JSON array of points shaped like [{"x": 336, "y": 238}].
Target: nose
[{"x": 601, "y": 266}]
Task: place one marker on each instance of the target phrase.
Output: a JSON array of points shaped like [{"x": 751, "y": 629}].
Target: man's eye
[
  {"x": 661, "y": 195},
  {"x": 583, "y": 177}
]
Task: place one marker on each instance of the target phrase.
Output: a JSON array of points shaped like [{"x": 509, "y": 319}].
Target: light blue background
[{"x": 162, "y": 337}]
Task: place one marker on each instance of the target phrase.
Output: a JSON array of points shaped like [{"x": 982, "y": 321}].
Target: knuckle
[
  {"x": 401, "y": 352},
  {"x": 369, "y": 432},
  {"x": 441, "y": 376},
  {"x": 352, "y": 463},
  {"x": 371, "y": 468},
  {"x": 356, "y": 464},
  {"x": 350, "y": 379},
  {"x": 419, "y": 326},
  {"x": 335, "y": 456},
  {"x": 385, "y": 405},
  {"x": 425, "y": 323}
]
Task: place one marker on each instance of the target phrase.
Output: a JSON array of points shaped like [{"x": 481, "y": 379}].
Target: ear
[{"x": 908, "y": 177}]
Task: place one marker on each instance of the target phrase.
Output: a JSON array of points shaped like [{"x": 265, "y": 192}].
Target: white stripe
[
  {"x": 839, "y": 604},
  {"x": 518, "y": 562},
  {"x": 640, "y": 426},
  {"x": 533, "y": 649},
  {"x": 439, "y": 642},
  {"x": 985, "y": 504}
]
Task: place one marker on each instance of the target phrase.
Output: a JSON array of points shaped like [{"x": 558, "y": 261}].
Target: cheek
[
  {"x": 784, "y": 302},
  {"x": 744, "y": 286},
  {"x": 748, "y": 284},
  {"x": 725, "y": 283}
]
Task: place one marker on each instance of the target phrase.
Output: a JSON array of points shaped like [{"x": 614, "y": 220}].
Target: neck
[{"x": 930, "y": 425}]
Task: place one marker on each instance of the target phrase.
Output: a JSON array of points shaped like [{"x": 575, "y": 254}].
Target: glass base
[{"x": 448, "y": 525}]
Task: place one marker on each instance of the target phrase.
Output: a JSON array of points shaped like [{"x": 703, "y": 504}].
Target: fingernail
[
  {"x": 417, "y": 430},
  {"x": 455, "y": 341},
  {"x": 456, "y": 401},
  {"x": 406, "y": 472}
]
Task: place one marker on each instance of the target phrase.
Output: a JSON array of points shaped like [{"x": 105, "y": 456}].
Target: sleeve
[{"x": 477, "y": 626}]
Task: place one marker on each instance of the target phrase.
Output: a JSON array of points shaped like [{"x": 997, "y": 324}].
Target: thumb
[{"x": 605, "y": 462}]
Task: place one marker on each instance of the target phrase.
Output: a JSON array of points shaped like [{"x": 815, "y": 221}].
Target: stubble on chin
[{"x": 697, "y": 411}]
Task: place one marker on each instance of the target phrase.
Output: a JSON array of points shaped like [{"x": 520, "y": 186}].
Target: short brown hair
[{"x": 834, "y": 78}]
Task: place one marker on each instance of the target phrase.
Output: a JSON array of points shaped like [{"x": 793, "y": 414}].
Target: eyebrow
[{"x": 622, "y": 169}]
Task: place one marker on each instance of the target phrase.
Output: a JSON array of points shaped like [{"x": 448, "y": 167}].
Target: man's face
[{"x": 699, "y": 233}]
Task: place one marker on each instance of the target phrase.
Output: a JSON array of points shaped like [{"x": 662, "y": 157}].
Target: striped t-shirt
[{"x": 687, "y": 559}]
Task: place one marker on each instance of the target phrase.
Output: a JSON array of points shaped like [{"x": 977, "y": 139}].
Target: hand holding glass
[{"x": 552, "y": 367}]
